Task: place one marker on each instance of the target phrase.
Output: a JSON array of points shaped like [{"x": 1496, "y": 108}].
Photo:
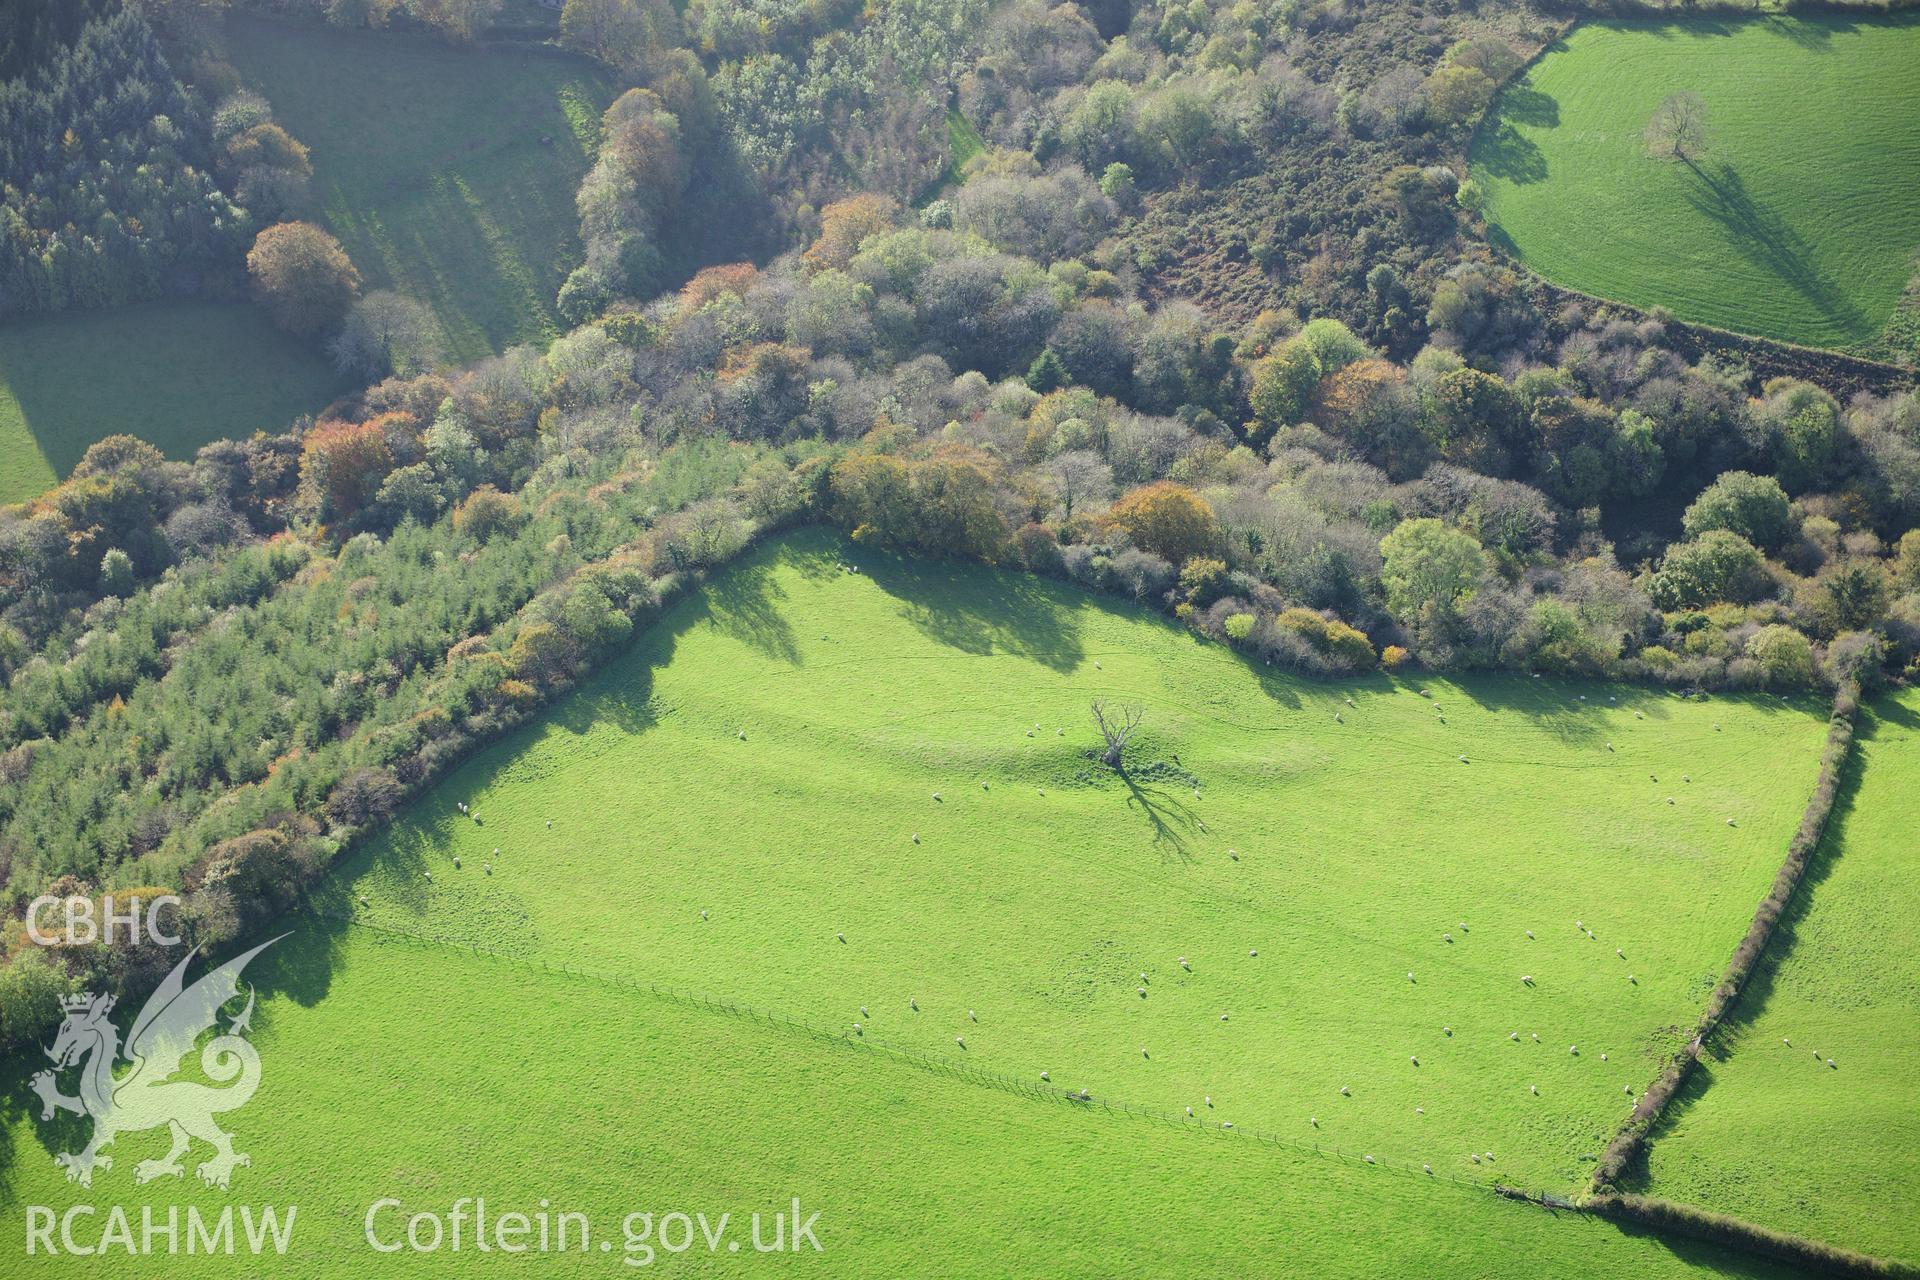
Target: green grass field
[
  {"x": 1767, "y": 1131},
  {"x": 1800, "y": 221},
  {"x": 430, "y": 165},
  {"x": 175, "y": 374},
  {"x": 1341, "y": 843}
]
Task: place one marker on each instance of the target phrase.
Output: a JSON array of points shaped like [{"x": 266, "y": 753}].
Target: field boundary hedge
[
  {"x": 1631, "y": 1139},
  {"x": 1671, "y": 1217}
]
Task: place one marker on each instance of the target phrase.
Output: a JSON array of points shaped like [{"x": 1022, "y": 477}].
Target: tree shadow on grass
[
  {"x": 980, "y": 613},
  {"x": 1169, "y": 817},
  {"x": 747, "y": 605},
  {"x": 1504, "y": 152},
  {"x": 1524, "y": 104},
  {"x": 1716, "y": 189}
]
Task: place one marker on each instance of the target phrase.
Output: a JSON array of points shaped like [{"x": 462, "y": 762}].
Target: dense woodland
[
  {"x": 1373, "y": 448},
  {"x": 107, "y": 194}
]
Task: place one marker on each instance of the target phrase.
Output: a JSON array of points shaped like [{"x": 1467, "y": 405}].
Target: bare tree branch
[{"x": 1117, "y": 727}]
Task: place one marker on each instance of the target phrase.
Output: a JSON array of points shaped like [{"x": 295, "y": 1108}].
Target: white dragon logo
[{"x": 174, "y": 1017}]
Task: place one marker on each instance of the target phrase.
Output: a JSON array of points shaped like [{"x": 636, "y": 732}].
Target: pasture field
[
  {"x": 1800, "y": 220},
  {"x": 1040, "y": 887},
  {"x": 448, "y": 174},
  {"x": 1766, "y": 1131},
  {"x": 176, "y": 374},
  {"x": 417, "y": 1029},
  {"x": 424, "y": 1074}
]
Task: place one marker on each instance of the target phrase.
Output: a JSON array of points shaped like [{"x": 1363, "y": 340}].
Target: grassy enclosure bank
[
  {"x": 176, "y": 374},
  {"x": 448, "y": 174},
  {"x": 1766, "y": 1130},
  {"x": 1800, "y": 219}
]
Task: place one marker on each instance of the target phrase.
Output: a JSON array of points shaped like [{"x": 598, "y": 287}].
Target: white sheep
[
  {"x": 1463, "y": 759},
  {"x": 1097, "y": 666},
  {"x": 1786, "y": 1042},
  {"x": 703, "y": 915},
  {"x": 1345, "y": 1092},
  {"x": 913, "y": 1004},
  {"x": 1314, "y": 1121},
  {"x": 1513, "y": 1035},
  {"x": 1234, "y": 854},
  {"x": 856, "y": 1029},
  {"x": 1185, "y": 965},
  {"x": 1446, "y": 1031},
  {"x": 916, "y": 837},
  {"x": 1534, "y": 1089},
  {"x": 487, "y": 867},
  {"x": 839, "y": 935},
  {"x": 937, "y": 799},
  {"x": 1635, "y": 981},
  {"x": 1409, "y": 975},
  {"x": 961, "y": 1041},
  {"x": 1189, "y": 1113},
  {"x": 428, "y": 875},
  {"x": 1574, "y": 1050},
  {"x": 1208, "y": 1099},
  {"x": 456, "y": 862},
  {"x": 1419, "y": 1111},
  {"x": 1833, "y": 1064},
  {"x": 742, "y": 735},
  {"x": 1617, "y": 951},
  {"x": 1226, "y": 1124},
  {"x": 1143, "y": 1051},
  {"x": 1526, "y": 979},
  {"x": 1603, "y": 1057},
  {"x": 1223, "y": 1017},
  {"x": 1529, "y": 933},
  {"x": 1045, "y": 1076},
  {"x": 863, "y": 1012},
  {"x": 1427, "y": 1167},
  {"x": 1627, "y": 1089},
  {"x": 1446, "y": 937},
  {"x": 1536, "y": 1037},
  {"x": 1143, "y": 993},
  {"x": 1414, "y": 1059},
  {"x": 1369, "y": 1159}
]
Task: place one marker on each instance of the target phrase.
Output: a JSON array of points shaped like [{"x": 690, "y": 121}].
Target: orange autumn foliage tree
[
  {"x": 1167, "y": 519},
  {"x": 844, "y": 224},
  {"x": 343, "y": 463}
]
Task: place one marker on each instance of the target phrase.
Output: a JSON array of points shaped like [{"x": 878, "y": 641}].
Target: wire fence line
[{"x": 934, "y": 1062}]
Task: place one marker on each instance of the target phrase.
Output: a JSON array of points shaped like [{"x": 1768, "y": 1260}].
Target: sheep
[
  {"x": 1337, "y": 718},
  {"x": 841, "y": 936},
  {"x": 1535, "y": 1089},
  {"x": 703, "y": 915},
  {"x": 742, "y": 735},
  {"x": 1143, "y": 1051},
  {"x": 1189, "y": 1113},
  {"x": 1488, "y": 1155},
  {"x": 1419, "y": 1111},
  {"x": 1603, "y": 1057},
  {"x": 1185, "y": 965},
  {"x": 1513, "y": 1035},
  {"x": 1143, "y": 975},
  {"x": 1208, "y": 1099},
  {"x": 1609, "y": 746},
  {"x": 1653, "y": 777},
  {"x": 1369, "y": 1159},
  {"x": 1617, "y": 951},
  {"x": 487, "y": 867},
  {"x": 1234, "y": 854},
  {"x": 1475, "y": 1159},
  {"x": 1462, "y": 926},
  {"x": 1223, "y": 1017},
  {"x": 1226, "y": 1124},
  {"x": 1580, "y": 925},
  {"x": 1729, "y": 821},
  {"x": 1059, "y": 733},
  {"x": 428, "y": 875},
  {"x": 1833, "y": 1064},
  {"x": 1345, "y": 1092},
  {"x": 1536, "y": 1036},
  {"x": 456, "y": 862},
  {"x": 1427, "y": 1167},
  {"x": 1314, "y": 1121},
  {"x": 1414, "y": 1058},
  {"x": 1043, "y": 791},
  {"x": 961, "y": 1041},
  {"x": 985, "y": 787},
  {"x": 1526, "y": 979},
  {"x": 1463, "y": 759},
  {"x": 916, "y": 837},
  {"x": 1635, "y": 981},
  {"x": 1045, "y": 1076},
  {"x": 1627, "y": 1089},
  {"x": 937, "y": 799},
  {"x": 1573, "y": 1050},
  {"x": 1029, "y": 733},
  {"x": 913, "y": 1004},
  {"x": 363, "y": 900},
  {"x": 549, "y": 824},
  {"x": 1669, "y": 799},
  {"x": 1529, "y": 933},
  {"x": 1446, "y": 937},
  {"x": 1409, "y": 975},
  {"x": 863, "y": 1011},
  {"x": 1253, "y": 951},
  {"x": 1143, "y": 993},
  {"x": 1786, "y": 1042},
  {"x": 1686, "y": 777},
  {"x": 857, "y": 1031},
  {"x": 1446, "y": 1031},
  {"x": 1097, "y": 666}
]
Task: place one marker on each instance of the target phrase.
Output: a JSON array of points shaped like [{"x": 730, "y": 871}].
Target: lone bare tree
[
  {"x": 1117, "y": 727},
  {"x": 1678, "y": 130}
]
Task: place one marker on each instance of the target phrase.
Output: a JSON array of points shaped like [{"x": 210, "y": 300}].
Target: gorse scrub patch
[{"x": 1785, "y": 218}]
